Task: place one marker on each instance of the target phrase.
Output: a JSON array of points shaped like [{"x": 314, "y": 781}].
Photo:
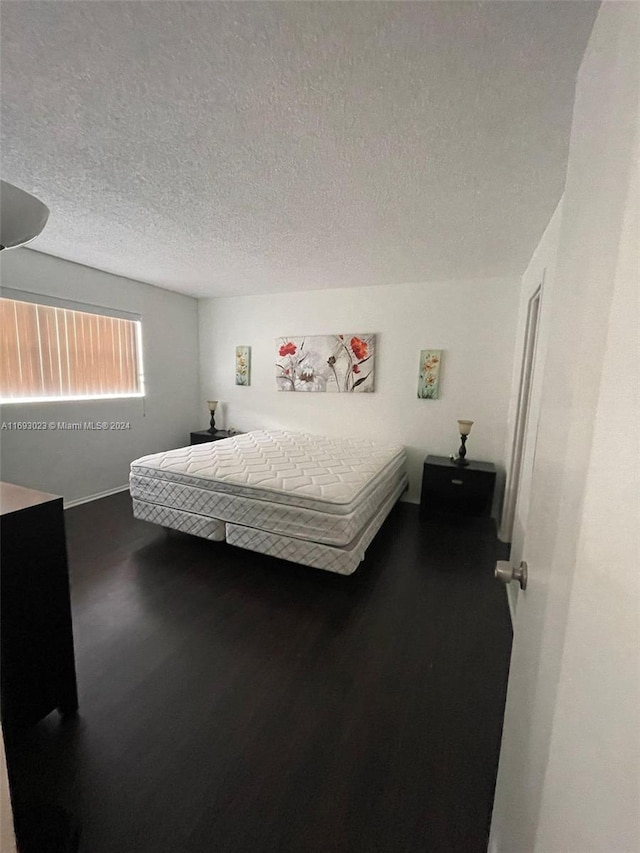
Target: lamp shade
[
  {"x": 22, "y": 216},
  {"x": 212, "y": 405},
  {"x": 465, "y": 427}
]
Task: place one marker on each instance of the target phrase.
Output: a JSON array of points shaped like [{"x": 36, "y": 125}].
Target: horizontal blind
[{"x": 50, "y": 353}]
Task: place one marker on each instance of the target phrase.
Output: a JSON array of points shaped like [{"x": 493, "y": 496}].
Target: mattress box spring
[
  {"x": 265, "y": 515},
  {"x": 177, "y": 519},
  {"x": 343, "y": 561}
]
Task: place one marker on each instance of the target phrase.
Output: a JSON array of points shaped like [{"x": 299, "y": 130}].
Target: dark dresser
[
  {"x": 451, "y": 489},
  {"x": 37, "y": 661}
]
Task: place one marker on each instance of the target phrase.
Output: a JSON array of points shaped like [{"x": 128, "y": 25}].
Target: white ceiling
[{"x": 217, "y": 148}]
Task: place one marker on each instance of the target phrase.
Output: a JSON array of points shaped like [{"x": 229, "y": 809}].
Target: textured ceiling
[{"x": 218, "y": 148}]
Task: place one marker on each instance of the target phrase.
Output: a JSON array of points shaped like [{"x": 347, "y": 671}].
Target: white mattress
[{"x": 291, "y": 484}]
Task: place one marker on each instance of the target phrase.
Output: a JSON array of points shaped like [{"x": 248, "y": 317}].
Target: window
[{"x": 53, "y": 353}]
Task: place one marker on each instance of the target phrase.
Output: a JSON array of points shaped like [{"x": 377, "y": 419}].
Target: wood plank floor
[{"x": 232, "y": 702}]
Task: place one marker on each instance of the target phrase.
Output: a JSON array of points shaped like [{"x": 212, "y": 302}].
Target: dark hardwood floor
[{"x": 232, "y": 702}]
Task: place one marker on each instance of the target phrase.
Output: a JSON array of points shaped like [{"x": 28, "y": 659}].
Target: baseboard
[{"x": 96, "y": 497}]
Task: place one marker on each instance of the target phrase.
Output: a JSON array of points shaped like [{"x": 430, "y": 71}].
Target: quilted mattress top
[{"x": 279, "y": 465}]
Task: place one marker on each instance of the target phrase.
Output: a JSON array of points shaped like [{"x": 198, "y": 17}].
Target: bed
[{"x": 305, "y": 498}]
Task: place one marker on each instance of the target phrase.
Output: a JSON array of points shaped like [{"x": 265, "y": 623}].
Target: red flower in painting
[
  {"x": 360, "y": 348},
  {"x": 288, "y": 349},
  {"x": 355, "y": 368}
]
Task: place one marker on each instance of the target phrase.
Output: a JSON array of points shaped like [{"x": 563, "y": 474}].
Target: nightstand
[
  {"x": 449, "y": 488},
  {"x": 202, "y": 436}
]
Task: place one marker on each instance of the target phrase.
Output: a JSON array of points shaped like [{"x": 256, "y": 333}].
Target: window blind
[{"x": 49, "y": 353}]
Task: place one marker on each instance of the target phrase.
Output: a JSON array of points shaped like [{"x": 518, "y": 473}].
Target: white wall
[
  {"x": 79, "y": 464},
  {"x": 568, "y": 775},
  {"x": 473, "y": 322},
  {"x": 590, "y": 799}
]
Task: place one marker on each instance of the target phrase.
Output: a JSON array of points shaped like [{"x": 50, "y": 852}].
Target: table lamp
[
  {"x": 465, "y": 429},
  {"x": 212, "y": 408}
]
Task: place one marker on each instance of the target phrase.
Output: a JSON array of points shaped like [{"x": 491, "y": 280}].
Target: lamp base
[
  {"x": 460, "y": 458},
  {"x": 212, "y": 423},
  {"x": 460, "y": 462}
]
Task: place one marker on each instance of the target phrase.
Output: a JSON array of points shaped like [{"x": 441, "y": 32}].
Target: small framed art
[
  {"x": 243, "y": 365},
  {"x": 429, "y": 376}
]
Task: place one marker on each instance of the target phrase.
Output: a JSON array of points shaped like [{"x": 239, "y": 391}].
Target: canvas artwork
[
  {"x": 243, "y": 365},
  {"x": 429, "y": 380},
  {"x": 339, "y": 363}
]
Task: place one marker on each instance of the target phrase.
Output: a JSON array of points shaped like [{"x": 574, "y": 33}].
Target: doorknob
[{"x": 507, "y": 572}]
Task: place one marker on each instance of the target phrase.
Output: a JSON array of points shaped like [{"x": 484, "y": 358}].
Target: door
[
  {"x": 567, "y": 780},
  {"x": 516, "y": 504}
]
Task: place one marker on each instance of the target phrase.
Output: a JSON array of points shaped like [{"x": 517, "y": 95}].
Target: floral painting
[
  {"x": 340, "y": 363},
  {"x": 429, "y": 379},
  {"x": 243, "y": 365}
]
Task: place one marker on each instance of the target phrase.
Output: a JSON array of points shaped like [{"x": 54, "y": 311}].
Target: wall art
[
  {"x": 339, "y": 363},
  {"x": 429, "y": 377},
  {"x": 243, "y": 365}
]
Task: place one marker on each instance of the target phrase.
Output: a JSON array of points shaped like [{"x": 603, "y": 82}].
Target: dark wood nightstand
[
  {"x": 202, "y": 436},
  {"x": 449, "y": 488}
]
